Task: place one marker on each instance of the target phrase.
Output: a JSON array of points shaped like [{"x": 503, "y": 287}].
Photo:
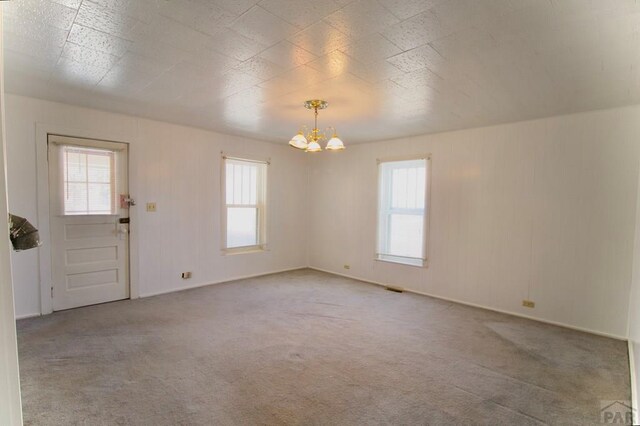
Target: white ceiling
[{"x": 389, "y": 68}]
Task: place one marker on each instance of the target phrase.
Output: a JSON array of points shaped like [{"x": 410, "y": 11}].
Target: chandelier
[{"x": 311, "y": 143}]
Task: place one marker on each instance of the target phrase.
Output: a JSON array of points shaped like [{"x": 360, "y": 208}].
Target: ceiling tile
[
  {"x": 404, "y": 9},
  {"x": 28, "y": 65},
  {"x": 37, "y": 31},
  {"x": 261, "y": 26},
  {"x": 361, "y": 18},
  {"x": 295, "y": 79},
  {"x": 200, "y": 15},
  {"x": 301, "y": 14},
  {"x": 332, "y": 64},
  {"x": 374, "y": 72},
  {"x": 417, "y": 59},
  {"x": 30, "y": 47},
  {"x": 141, "y": 10},
  {"x": 98, "y": 40},
  {"x": 156, "y": 50},
  {"x": 418, "y": 80},
  {"x": 237, "y": 7},
  {"x": 124, "y": 81},
  {"x": 371, "y": 49},
  {"x": 233, "y": 82},
  {"x": 40, "y": 12},
  {"x": 139, "y": 64},
  {"x": 173, "y": 33},
  {"x": 287, "y": 55},
  {"x": 236, "y": 45},
  {"x": 69, "y": 3},
  {"x": 215, "y": 62},
  {"x": 320, "y": 38},
  {"x": 70, "y": 71},
  {"x": 106, "y": 20},
  {"x": 259, "y": 68},
  {"x": 87, "y": 56},
  {"x": 416, "y": 31}
]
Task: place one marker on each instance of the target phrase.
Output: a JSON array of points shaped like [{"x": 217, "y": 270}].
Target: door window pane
[{"x": 88, "y": 181}]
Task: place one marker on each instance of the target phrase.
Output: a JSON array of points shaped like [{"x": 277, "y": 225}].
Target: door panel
[{"x": 90, "y": 252}]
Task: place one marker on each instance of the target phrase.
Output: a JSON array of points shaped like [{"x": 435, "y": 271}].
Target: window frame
[
  {"x": 55, "y": 150},
  {"x": 403, "y": 260},
  {"x": 262, "y": 199}
]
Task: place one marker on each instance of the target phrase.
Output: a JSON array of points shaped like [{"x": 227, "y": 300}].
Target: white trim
[
  {"x": 225, "y": 280},
  {"x": 42, "y": 169},
  {"x": 634, "y": 384},
  {"x": 25, "y": 316},
  {"x": 475, "y": 305}
]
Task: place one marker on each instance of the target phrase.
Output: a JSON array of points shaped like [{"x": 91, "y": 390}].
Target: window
[
  {"x": 88, "y": 181},
  {"x": 402, "y": 211},
  {"x": 244, "y": 203}
]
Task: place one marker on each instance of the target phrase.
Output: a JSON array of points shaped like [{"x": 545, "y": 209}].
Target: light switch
[{"x": 151, "y": 207}]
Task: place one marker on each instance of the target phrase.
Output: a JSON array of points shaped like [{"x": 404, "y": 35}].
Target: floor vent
[{"x": 394, "y": 289}]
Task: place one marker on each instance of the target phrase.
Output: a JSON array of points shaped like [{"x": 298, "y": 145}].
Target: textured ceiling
[{"x": 389, "y": 68}]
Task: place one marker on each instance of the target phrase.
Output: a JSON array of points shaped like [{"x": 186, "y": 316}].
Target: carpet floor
[{"x": 305, "y": 348}]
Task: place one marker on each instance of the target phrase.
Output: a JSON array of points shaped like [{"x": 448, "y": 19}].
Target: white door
[{"x": 89, "y": 221}]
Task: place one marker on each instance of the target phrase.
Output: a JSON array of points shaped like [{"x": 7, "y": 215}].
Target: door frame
[{"x": 42, "y": 166}]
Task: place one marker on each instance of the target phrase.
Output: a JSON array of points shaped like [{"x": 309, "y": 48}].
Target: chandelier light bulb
[{"x": 299, "y": 141}]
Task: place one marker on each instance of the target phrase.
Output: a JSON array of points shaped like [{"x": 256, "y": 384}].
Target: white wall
[
  {"x": 178, "y": 168},
  {"x": 541, "y": 210}
]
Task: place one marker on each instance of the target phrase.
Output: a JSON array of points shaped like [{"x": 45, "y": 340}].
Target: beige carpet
[{"x": 308, "y": 348}]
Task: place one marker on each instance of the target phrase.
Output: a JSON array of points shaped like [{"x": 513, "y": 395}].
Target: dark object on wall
[{"x": 23, "y": 235}]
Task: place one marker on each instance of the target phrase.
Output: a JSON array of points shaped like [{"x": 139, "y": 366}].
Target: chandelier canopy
[{"x": 311, "y": 142}]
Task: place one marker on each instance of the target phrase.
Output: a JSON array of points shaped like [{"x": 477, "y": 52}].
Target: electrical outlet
[
  {"x": 186, "y": 275},
  {"x": 151, "y": 207},
  {"x": 528, "y": 304},
  {"x": 347, "y": 266}
]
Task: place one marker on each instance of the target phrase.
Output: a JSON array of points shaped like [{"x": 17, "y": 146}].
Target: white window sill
[
  {"x": 244, "y": 250},
  {"x": 417, "y": 264}
]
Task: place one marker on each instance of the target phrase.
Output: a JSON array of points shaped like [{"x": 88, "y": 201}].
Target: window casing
[
  {"x": 244, "y": 204},
  {"x": 403, "y": 196}
]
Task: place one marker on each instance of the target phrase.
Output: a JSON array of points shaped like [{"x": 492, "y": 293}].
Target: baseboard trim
[
  {"x": 226, "y": 280},
  {"x": 634, "y": 384},
  {"x": 25, "y": 316},
  {"x": 475, "y": 305}
]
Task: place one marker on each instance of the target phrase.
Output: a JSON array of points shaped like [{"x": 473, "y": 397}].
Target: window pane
[
  {"x": 100, "y": 198},
  {"x": 405, "y": 235},
  {"x": 75, "y": 169},
  {"x": 99, "y": 168},
  {"x": 246, "y": 184},
  {"x": 237, "y": 184},
  {"x": 229, "y": 184},
  {"x": 88, "y": 181},
  {"x": 242, "y": 226},
  {"x": 75, "y": 197}
]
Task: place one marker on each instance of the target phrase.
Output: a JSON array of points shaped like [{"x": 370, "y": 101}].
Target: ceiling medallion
[{"x": 311, "y": 143}]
